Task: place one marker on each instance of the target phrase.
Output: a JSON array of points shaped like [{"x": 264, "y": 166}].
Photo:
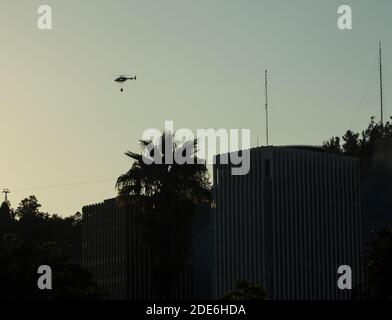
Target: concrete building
[
  {"x": 113, "y": 250},
  {"x": 288, "y": 224}
]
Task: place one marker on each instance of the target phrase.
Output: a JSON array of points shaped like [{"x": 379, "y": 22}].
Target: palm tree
[{"x": 166, "y": 195}]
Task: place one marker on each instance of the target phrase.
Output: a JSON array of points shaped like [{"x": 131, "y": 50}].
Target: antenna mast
[
  {"x": 266, "y": 105},
  {"x": 381, "y": 93}
]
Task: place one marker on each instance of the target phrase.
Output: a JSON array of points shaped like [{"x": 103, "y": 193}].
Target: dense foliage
[{"x": 30, "y": 238}]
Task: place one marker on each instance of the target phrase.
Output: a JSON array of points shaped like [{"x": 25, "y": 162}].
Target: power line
[{"x": 64, "y": 185}]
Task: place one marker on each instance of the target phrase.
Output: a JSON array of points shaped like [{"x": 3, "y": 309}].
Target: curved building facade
[{"x": 288, "y": 224}]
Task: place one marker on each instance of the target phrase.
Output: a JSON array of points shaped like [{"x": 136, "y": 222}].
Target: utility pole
[
  {"x": 381, "y": 93},
  {"x": 6, "y": 192},
  {"x": 266, "y": 105}
]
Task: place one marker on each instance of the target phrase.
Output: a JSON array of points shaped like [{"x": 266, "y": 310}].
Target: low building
[{"x": 113, "y": 250}]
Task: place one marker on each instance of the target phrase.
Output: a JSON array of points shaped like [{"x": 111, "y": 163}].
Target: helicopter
[{"x": 122, "y": 79}]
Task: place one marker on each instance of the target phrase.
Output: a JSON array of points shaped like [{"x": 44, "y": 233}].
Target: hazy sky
[{"x": 199, "y": 63}]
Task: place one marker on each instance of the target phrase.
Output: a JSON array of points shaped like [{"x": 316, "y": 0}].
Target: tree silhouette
[
  {"x": 19, "y": 262},
  {"x": 29, "y": 208},
  {"x": 166, "y": 195},
  {"x": 6, "y": 221},
  {"x": 6, "y": 216},
  {"x": 30, "y": 238},
  {"x": 373, "y": 147}
]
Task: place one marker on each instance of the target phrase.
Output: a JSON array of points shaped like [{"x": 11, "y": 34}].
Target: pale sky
[{"x": 199, "y": 63}]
